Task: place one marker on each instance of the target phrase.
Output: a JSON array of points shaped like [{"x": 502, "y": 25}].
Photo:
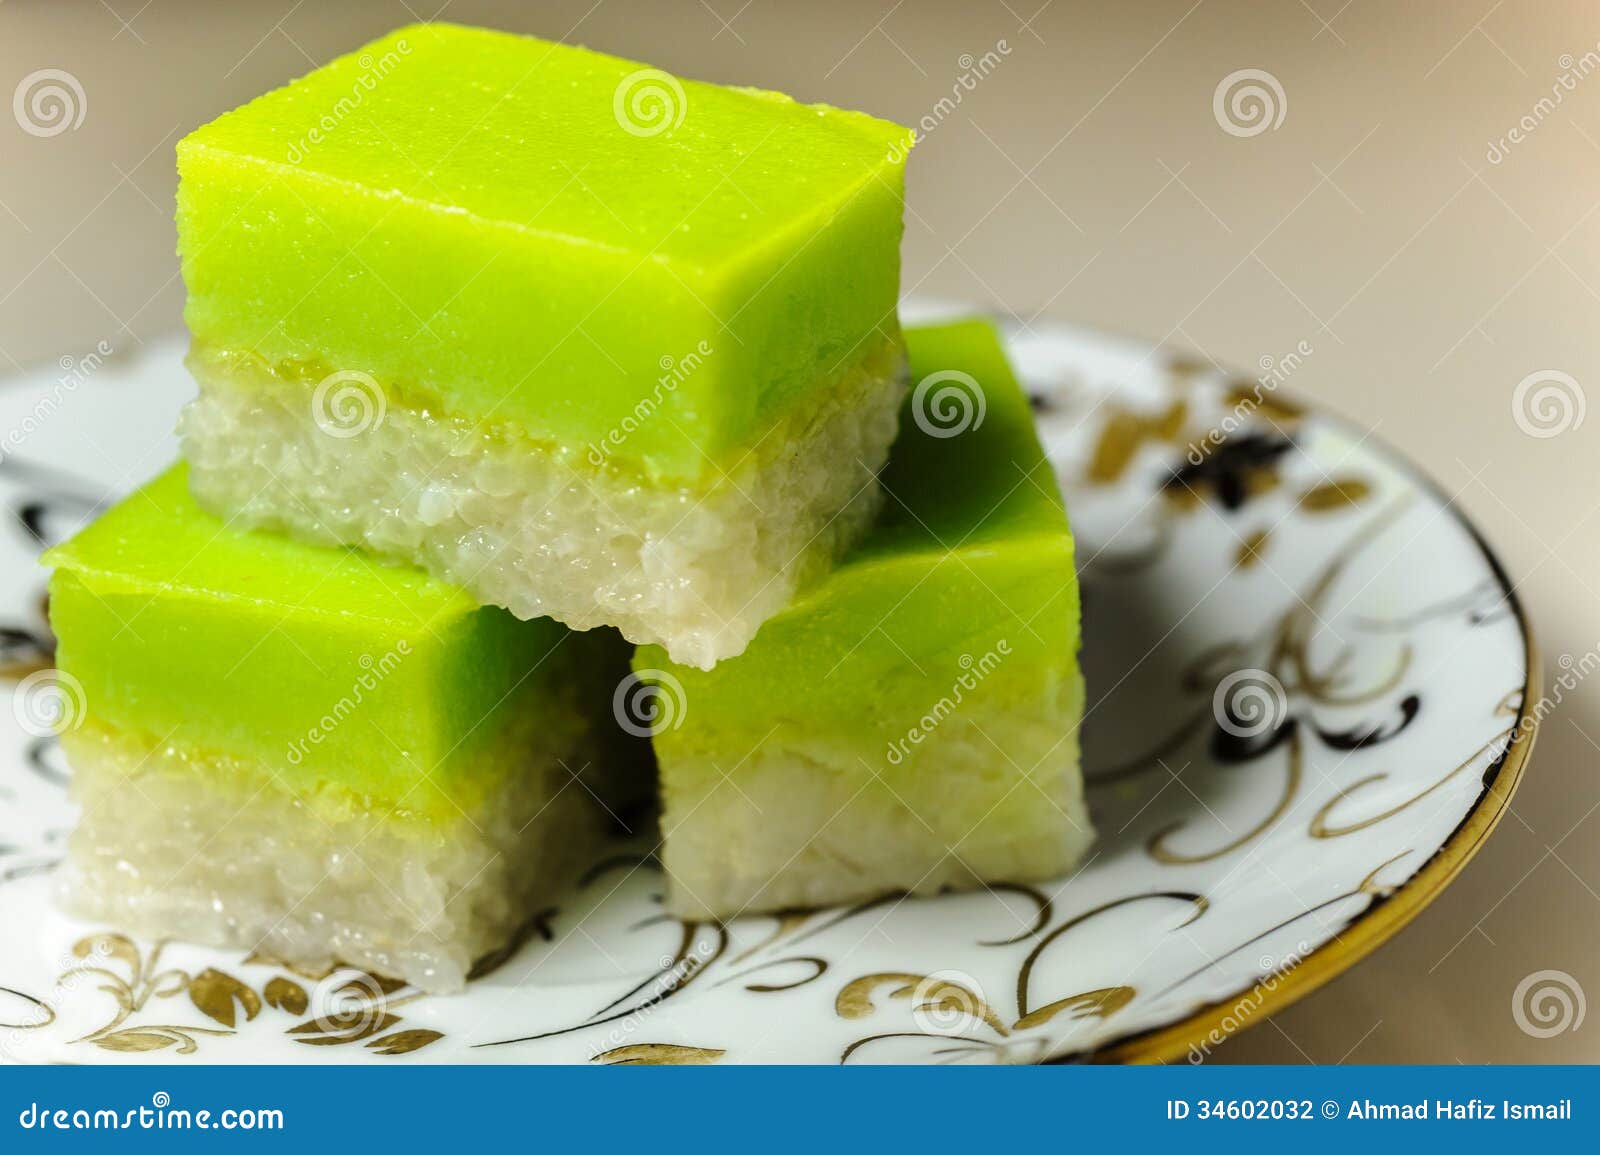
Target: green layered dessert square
[
  {"x": 589, "y": 340},
  {"x": 301, "y": 750},
  {"x": 910, "y": 722}
]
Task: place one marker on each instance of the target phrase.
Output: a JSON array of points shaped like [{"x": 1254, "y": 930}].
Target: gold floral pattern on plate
[
  {"x": 148, "y": 1017},
  {"x": 1225, "y": 533}
]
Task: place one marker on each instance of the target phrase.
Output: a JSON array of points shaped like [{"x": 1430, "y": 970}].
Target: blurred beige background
[{"x": 1430, "y": 268}]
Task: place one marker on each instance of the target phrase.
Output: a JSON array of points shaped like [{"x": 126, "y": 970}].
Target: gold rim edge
[
  {"x": 1381, "y": 921},
  {"x": 1364, "y": 935}
]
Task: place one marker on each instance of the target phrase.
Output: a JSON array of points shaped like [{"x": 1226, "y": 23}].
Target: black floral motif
[{"x": 1231, "y": 470}]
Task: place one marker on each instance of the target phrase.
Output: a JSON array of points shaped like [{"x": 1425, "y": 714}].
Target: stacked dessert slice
[
  {"x": 494, "y": 338},
  {"x": 910, "y": 722},
  {"x": 297, "y": 748},
  {"x": 493, "y": 323}
]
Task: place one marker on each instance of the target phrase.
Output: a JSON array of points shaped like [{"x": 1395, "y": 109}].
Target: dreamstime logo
[
  {"x": 674, "y": 372},
  {"x": 350, "y": 1006},
  {"x": 974, "y": 69},
  {"x": 1573, "y": 673},
  {"x": 674, "y": 972},
  {"x": 74, "y": 372},
  {"x": 947, "y": 1003},
  {"x": 973, "y": 672},
  {"x": 373, "y": 70},
  {"x": 1548, "y": 1003},
  {"x": 49, "y": 102},
  {"x": 373, "y": 672},
  {"x": 1274, "y": 970},
  {"x": 1249, "y": 703},
  {"x": 647, "y": 702},
  {"x": 1573, "y": 70},
  {"x": 47, "y": 702},
  {"x": 1274, "y": 372},
  {"x": 76, "y": 968},
  {"x": 649, "y": 102},
  {"x": 1548, "y": 403},
  {"x": 348, "y": 403},
  {"x": 948, "y": 403},
  {"x": 1249, "y": 102}
]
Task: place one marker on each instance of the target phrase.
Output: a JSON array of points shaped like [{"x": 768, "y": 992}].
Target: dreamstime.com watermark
[
  {"x": 48, "y": 702},
  {"x": 159, "y": 1115},
  {"x": 1249, "y": 102},
  {"x": 1573, "y": 70},
  {"x": 974, "y": 70},
  {"x": 1548, "y": 1003},
  {"x": 649, "y": 102},
  {"x": 647, "y": 702},
  {"x": 1249, "y": 703},
  {"x": 947, "y": 1003},
  {"x": 674, "y": 372},
  {"x": 74, "y": 372},
  {"x": 1574, "y": 672},
  {"x": 49, "y": 102},
  {"x": 973, "y": 672},
  {"x": 1274, "y": 372},
  {"x": 1548, "y": 403},
  {"x": 76, "y": 971},
  {"x": 348, "y": 403},
  {"x": 351, "y": 1006},
  {"x": 947, "y": 403},
  {"x": 1275, "y": 970},
  {"x": 674, "y": 973},
  {"x": 373, "y": 72},
  {"x": 373, "y": 672}
]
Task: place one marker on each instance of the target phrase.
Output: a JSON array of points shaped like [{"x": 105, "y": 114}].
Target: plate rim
[
  {"x": 1217, "y": 1021},
  {"x": 1205, "y": 1026}
]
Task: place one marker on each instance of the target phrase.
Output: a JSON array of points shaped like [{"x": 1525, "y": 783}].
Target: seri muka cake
[
  {"x": 509, "y": 351},
  {"x": 588, "y": 340},
  {"x": 910, "y": 722},
  {"x": 302, "y": 750}
]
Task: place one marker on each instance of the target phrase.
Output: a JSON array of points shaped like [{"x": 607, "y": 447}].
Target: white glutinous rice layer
[
  {"x": 542, "y": 530},
  {"x": 178, "y": 843},
  {"x": 801, "y": 823}
]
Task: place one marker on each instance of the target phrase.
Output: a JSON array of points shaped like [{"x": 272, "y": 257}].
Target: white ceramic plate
[{"x": 1309, "y": 697}]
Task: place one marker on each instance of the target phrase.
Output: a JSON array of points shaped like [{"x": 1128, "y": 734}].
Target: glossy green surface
[
  {"x": 321, "y": 664},
  {"x": 491, "y": 223},
  {"x": 972, "y": 557}
]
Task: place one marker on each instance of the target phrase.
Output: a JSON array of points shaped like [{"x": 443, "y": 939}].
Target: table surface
[{"x": 1423, "y": 217}]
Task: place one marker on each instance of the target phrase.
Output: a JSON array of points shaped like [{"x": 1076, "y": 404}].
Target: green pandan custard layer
[
  {"x": 966, "y": 578},
  {"x": 514, "y": 228},
  {"x": 319, "y": 663}
]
